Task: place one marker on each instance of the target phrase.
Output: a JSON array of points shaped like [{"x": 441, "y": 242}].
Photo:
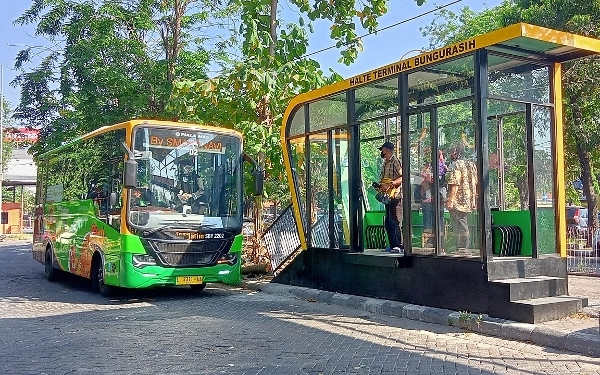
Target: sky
[{"x": 381, "y": 49}]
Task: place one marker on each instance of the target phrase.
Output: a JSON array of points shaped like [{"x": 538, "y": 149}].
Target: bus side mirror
[
  {"x": 130, "y": 174},
  {"x": 113, "y": 199},
  {"x": 258, "y": 182},
  {"x": 258, "y": 175},
  {"x": 131, "y": 166}
]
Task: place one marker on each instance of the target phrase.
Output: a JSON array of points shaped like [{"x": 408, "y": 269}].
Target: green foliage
[
  {"x": 467, "y": 320},
  {"x": 107, "y": 67},
  {"x": 6, "y": 122},
  {"x": 28, "y": 198},
  {"x": 7, "y": 119},
  {"x": 342, "y": 15},
  {"x": 251, "y": 96}
]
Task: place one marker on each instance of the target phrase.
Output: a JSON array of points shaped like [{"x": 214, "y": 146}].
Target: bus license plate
[{"x": 188, "y": 280}]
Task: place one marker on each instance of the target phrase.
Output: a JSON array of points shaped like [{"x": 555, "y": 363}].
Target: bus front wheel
[
  {"x": 52, "y": 273},
  {"x": 98, "y": 284}
]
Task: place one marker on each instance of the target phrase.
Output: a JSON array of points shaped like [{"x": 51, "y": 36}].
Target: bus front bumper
[{"x": 152, "y": 275}]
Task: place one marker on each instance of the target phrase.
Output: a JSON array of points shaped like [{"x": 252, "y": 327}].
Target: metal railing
[
  {"x": 282, "y": 242},
  {"x": 281, "y": 239},
  {"x": 583, "y": 250}
]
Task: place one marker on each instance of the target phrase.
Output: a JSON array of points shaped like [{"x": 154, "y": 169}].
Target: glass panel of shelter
[
  {"x": 327, "y": 113},
  {"x": 297, "y": 153},
  {"x": 543, "y": 165},
  {"x": 340, "y": 188},
  {"x": 376, "y": 99},
  {"x": 371, "y": 138},
  {"x": 319, "y": 190},
  {"x": 323, "y": 187},
  {"x": 422, "y": 198},
  {"x": 518, "y": 78},
  {"x": 517, "y": 81},
  {"x": 459, "y": 186},
  {"x": 297, "y": 123},
  {"x": 442, "y": 82}
]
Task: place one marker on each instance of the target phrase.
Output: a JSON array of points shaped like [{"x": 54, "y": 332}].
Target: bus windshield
[{"x": 187, "y": 177}]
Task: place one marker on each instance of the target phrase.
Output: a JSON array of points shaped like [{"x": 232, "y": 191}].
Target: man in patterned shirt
[
  {"x": 391, "y": 177},
  {"x": 462, "y": 193}
]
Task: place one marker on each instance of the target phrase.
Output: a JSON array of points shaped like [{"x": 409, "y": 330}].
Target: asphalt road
[{"x": 62, "y": 328}]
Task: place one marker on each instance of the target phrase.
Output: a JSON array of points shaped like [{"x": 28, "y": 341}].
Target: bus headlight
[
  {"x": 141, "y": 261},
  {"x": 229, "y": 258}
]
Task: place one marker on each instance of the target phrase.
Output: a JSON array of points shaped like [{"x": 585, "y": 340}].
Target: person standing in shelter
[
  {"x": 391, "y": 181},
  {"x": 461, "y": 179}
]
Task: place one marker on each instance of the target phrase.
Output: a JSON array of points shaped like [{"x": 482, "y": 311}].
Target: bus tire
[
  {"x": 98, "y": 278},
  {"x": 197, "y": 288},
  {"x": 52, "y": 274}
]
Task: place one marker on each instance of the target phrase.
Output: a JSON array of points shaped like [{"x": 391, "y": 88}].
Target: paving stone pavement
[
  {"x": 63, "y": 328},
  {"x": 578, "y": 333},
  {"x": 588, "y": 321}
]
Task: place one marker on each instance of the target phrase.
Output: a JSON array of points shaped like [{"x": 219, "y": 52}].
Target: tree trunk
[
  {"x": 587, "y": 176},
  {"x": 171, "y": 36},
  {"x": 273, "y": 27},
  {"x": 265, "y": 118},
  {"x": 523, "y": 188}
]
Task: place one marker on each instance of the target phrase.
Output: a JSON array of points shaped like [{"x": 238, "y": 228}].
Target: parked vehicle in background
[{"x": 577, "y": 218}]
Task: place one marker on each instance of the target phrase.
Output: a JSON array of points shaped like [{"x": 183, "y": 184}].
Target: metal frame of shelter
[{"x": 500, "y": 95}]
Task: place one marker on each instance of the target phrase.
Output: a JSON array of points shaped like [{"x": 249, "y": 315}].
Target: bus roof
[{"x": 132, "y": 123}]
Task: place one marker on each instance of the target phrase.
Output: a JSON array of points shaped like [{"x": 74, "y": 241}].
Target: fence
[
  {"x": 583, "y": 250},
  {"x": 281, "y": 239}
]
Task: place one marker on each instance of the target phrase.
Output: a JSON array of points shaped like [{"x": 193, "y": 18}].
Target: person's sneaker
[
  {"x": 387, "y": 250},
  {"x": 397, "y": 250}
]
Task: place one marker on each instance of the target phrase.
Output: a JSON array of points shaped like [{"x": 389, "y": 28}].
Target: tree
[
  {"x": 6, "y": 122},
  {"x": 581, "y": 78},
  {"x": 85, "y": 85},
  {"x": 80, "y": 84},
  {"x": 251, "y": 95},
  {"x": 107, "y": 65}
]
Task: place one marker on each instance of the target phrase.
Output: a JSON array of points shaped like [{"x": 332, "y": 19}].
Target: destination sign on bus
[
  {"x": 423, "y": 59},
  {"x": 177, "y": 142}
]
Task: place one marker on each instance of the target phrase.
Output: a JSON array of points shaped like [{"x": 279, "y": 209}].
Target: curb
[{"x": 581, "y": 343}]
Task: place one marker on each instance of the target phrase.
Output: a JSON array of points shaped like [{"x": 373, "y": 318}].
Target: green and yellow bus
[{"x": 143, "y": 203}]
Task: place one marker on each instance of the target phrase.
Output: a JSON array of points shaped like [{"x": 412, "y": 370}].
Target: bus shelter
[{"x": 496, "y": 100}]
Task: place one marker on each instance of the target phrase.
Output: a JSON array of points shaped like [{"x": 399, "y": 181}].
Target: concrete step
[
  {"x": 540, "y": 310},
  {"x": 525, "y": 288}
]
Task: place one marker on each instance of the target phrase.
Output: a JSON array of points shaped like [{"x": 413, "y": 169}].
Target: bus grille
[
  {"x": 188, "y": 260},
  {"x": 187, "y": 254}
]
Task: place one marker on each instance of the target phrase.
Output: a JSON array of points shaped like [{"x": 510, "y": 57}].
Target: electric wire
[
  {"x": 372, "y": 32},
  {"x": 382, "y": 29}
]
